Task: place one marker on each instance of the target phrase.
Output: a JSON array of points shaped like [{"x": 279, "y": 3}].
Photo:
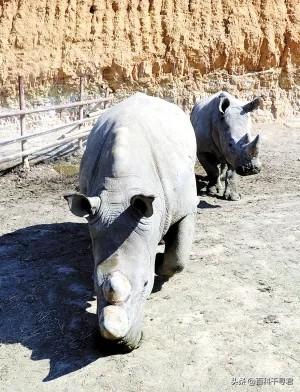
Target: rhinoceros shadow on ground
[{"x": 46, "y": 284}]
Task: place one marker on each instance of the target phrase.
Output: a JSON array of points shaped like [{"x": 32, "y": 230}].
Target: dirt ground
[{"x": 230, "y": 317}]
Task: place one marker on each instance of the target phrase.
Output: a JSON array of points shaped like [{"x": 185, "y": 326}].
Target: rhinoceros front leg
[
  {"x": 178, "y": 243},
  {"x": 231, "y": 180},
  {"x": 210, "y": 165},
  {"x": 223, "y": 172}
]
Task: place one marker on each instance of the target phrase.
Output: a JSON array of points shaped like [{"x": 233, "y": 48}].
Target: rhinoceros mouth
[
  {"x": 120, "y": 346},
  {"x": 247, "y": 170}
]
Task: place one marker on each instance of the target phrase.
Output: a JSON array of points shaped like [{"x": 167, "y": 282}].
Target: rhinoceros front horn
[
  {"x": 116, "y": 288},
  {"x": 113, "y": 322},
  {"x": 253, "y": 147}
]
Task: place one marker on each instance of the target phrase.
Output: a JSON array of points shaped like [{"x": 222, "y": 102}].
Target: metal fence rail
[{"x": 70, "y": 135}]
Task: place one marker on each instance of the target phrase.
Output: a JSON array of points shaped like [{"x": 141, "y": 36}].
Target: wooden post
[
  {"x": 106, "y": 96},
  {"x": 25, "y": 160},
  {"x": 81, "y": 92}
]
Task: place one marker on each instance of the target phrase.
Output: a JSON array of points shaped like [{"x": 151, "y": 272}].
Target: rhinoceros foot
[
  {"x": 215, "y": 190},
  {"x": 167, "y": 265},
  {"x": 166, "y": 271},
  {"x": 232, "y": 196}
]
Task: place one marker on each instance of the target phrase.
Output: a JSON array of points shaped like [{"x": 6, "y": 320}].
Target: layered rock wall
[{"x": 173, "y": 48}]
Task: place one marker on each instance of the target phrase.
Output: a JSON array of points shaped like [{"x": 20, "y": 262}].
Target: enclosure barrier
[{"x": 69, "y": 136}]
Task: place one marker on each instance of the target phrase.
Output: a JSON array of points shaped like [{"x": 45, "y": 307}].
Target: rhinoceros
[
  {"x": 225, "y": 147},
  {"x": 137, "y": 187}
]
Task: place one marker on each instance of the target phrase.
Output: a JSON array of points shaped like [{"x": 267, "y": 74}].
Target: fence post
[
  {"x": 81, "y": 92},
  {"x": 106, "y": 96},
  {"x": 25, "y": 160}
]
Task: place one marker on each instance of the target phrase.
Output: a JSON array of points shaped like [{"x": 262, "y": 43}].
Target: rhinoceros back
[{"x": 158, "y": 147}]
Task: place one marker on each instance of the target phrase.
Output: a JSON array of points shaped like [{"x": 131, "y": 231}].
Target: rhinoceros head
[
  {"x": 123, "y": 233},
  {"x": 232, "y": 135}
]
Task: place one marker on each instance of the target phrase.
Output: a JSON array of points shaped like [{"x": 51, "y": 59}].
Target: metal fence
[{"x": 72, "y": 131}]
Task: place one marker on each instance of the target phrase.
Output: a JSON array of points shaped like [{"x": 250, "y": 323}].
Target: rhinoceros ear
[
  {"x": 224, "y": 103},
  {"x": 253, "y": 105},
  {"x": 143, "y": 205},
  {"x": 81, "y": 205}
]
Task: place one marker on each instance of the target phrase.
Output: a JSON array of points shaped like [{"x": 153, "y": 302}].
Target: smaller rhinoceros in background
[{"x": 225, "y": 147}]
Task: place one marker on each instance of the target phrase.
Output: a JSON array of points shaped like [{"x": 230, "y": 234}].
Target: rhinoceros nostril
[{"x": 145, "y": 284}]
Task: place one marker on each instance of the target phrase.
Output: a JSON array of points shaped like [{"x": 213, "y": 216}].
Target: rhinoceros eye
[{"x": 230, "y": 144}]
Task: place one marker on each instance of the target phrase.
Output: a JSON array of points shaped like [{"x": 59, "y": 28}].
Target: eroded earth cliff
[{"x": 175, "y": 48}]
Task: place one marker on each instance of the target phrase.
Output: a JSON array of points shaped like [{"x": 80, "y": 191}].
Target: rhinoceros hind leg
[
  {"x": 178, "y": 242},
  {"x": 210, "y": 165}
]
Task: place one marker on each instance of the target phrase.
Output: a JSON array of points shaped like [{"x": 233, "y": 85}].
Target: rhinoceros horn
[
  {"x": 113, "y": 322},
  {"x": 116, "y": 288},
  {"x": 253, "y": 147},
  {"x": 244, "y": 139}
]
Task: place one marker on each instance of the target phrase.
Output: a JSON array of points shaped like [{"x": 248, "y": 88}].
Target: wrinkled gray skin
[
  {"x": 225, "y": 147},
  {"x": 137, "y": 186}
]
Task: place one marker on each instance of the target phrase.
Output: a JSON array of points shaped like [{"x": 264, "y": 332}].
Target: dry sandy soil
[{"x": 232, "y": 313}]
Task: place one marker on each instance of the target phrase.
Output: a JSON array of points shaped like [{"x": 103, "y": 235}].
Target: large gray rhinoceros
[
  {"x": 137, "y": 186},
  {"x": 225, "y": 147}
]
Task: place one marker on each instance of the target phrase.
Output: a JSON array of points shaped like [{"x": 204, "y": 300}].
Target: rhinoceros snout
[
  {"x": 116, "y": 288},
  {"x": 115, "y": 308},
  {"x": 248, "y": 170}
]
